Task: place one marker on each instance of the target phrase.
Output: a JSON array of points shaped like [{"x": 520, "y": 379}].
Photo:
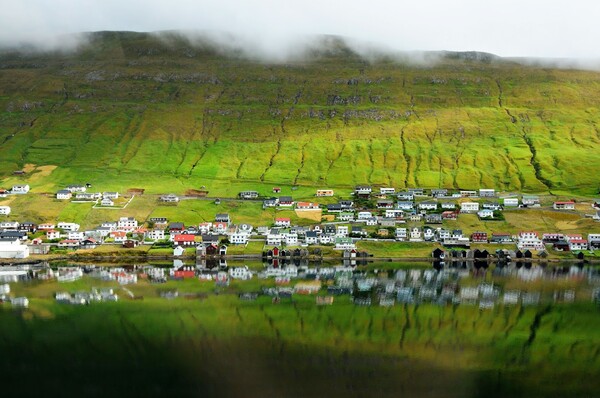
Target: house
[
  {"x": 3, "y": 193},
  {"x": 479, "y": 237},
  {"x": 578, "y": 244},
  {"x": 428, "y": 205},
  {"x": 158, "y": 222},
  {"x": 307, "y": 206},
  {"x": 417, "y": 191},
  {"x": 485, "y": 213},
  {"x": 9, "y": 225},
  {"x": 13, "y": 248},
  {"x": 220, "y": 227},
  {"x": 401, "y": 234},
  {"x": 529, "y": 240},
  {"x": 334, "y": 208},
  {"x": 184, "y": 240},
  {"x": 511, "y": 202},
  {"x": 346, "y": 216},
  {"x": 415, "y": 217},
  {"x": 176, "y": 227},
  {"x": 311, "y": 238},
  {"x": 443, "y": 234},
  {"x": 5, "y": 210},
  {"x": 274, "y": 238},
  {"x": 28, "y": 227},
  {"x": 283, "y": 222},
  {"x": 127, "y": 222},
  {"x": 594, "y": 240},
  {"x": 290, "y": 239},
  {"x": 405, "y": 205},
  {"x": 487, "y": 193},
  {"x": 68, "y": 226},
  {"x": 285, "y": 201},
  {"x": 448, "y": 205},
  {"x": 222, "y": 218},
  {"x": 107, "y": 202},
  {"x": 415, "y": 234},
  {"x": 155, "y": 234},
  {"x": 87, "y": 196},
  {"x": 405, "y": 196},
  {"x": 75, "y": 235},
  {"x": 468, "y": 194},
  {"x": 276, "y": 189},
  {"x": 52, "y": 234},
  {"x": 46, "y": 226},
  {"x": 433, "y": 218},
  {"x": 20, "y": 189},
  {"x": 439, "y": 193},
  {"x": 449, "y": 215},
  {"x": 118, "y": 236},
  {"x": 169, "y": 198},
  {"x": 428, "y": 233},
  {"x": 358, "y": 232},
  {"x": 363, "y": 191},
  {"x": 76, "y": 188},
  {"x": 271, "y": 202},
  {"x": 64, "y": 194},
  {"x": 248, "y": 195},
  {"x": 69, "y": 244},
  {"x": 344, "y": 243},
  {"x": 239, "y": 238},
  {"x": 346, "y": 204},
  {"x": 387, "y": 191},
  {"x": 385, "y": 204},
  {"x": 394, "y": 213},
  {"x": 110, "y": 195},
  {"x": 469, "y": 207},
  {"x": 568, "y": 205},
  {"x": 530, "y": 200},
  {"x": 499, "y": 237},
  {"x": 341, "y": 230},
  {"x": 492, "y": 206},
  {"x": 552, "y": 237},
  {"x": 364, "y": 215},
  {"x": 324, "y": 192}
]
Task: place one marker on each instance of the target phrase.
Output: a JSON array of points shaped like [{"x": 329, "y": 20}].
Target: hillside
[{"x": 136, "y": 110}]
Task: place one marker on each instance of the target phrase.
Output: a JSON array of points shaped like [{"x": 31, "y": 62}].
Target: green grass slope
[{"x": 133, "y": 109}]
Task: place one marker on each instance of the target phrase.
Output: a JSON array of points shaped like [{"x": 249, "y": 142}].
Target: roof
[
  {"x": 578, "y": 241},
  {"x": 282, "y": 219},
  {"x": 64, "y": 191},
  {"x": 185, "y": 238},
  {"x": 286, "y": 199},
  {"x": 118, "y": 233},
  {"x": 569, "y": 202}
]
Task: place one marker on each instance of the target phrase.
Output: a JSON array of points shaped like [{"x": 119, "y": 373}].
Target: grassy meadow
[{"x": 129, "y": 110}]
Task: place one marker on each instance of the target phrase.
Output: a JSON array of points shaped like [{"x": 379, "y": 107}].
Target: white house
[
  {"x": 20, "y": 189},
  {"x": 569, "y": 205},
  {"x": 324, "y": 192},
  {"x": 469, "y": 207},
  {"x": 364, "y": 215},
  {"x": 127, "y": 222},
  {"x": 283, "y": 222},
  {"x": 405, "y": 205},
  {"x": 274, "y": 239},
  {"x": 5, "y": 210},
  {"x": 52, "y": 234},
  {"x": 342, "y": 243},
  {"x": 64, "y": 194},
  {"x": 76, "y": 188},
  {"x": 239, "y": 238},
  {"x": 342, "y": 231},
  {"x": 428, "y": 205},
  {"x": 415, "y": 234},
  {"x": 401, "y": 234},
  {"x": 487, "y": 193},
  {"x": 110, "y": 195},
  {"x": 387, "y": 191},
  {"x": 485, "y": 213},
  {"x": 290, "y": 239},
  {"x": 363, "y": 190},
  {"x": 531, "y": 200},
  {"x": 511, "y": 202},
  {"x": 75, "y": 235},
  {"x": 394, "y": 213},
  {"x": 155, "y": 234},
  {"x": 578, "y": 244},
  {"x": 311, "y": 238},
  {"x": 107, "y": 202},
  {"x": 68, "y": 226},
  {"x": 13, "y": 248}
]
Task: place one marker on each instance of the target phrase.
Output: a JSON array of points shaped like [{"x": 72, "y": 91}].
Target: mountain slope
[{"x": 131, "y": 108}]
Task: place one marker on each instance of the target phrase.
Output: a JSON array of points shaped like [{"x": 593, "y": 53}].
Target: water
[{"x": 536, "y": 334}]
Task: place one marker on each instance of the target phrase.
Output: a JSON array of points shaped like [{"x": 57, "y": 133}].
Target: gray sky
[{"x": 534, "y": 28}]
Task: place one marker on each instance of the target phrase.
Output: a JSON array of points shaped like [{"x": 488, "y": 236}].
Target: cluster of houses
[{"x": 79, "y": 193}]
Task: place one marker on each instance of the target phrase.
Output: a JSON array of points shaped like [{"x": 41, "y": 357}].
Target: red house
[
  {"x": 185, "y": 240},
  {"x": 479, "y": 237},
  {"x": 450, "y": 215},
  {"x": 276, "y": 189}
]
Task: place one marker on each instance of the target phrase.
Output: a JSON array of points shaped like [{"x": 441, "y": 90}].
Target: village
[{"x": 369, "y": 214}]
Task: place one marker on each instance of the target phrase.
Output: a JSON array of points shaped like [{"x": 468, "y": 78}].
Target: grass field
[{"x": 129, "y": 111}]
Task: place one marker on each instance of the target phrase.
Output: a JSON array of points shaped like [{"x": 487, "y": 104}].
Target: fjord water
[{"x": 218, "y": 345}]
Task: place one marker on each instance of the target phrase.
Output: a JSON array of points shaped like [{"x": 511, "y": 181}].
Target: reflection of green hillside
[
  {"x": 224, "y": 347},
  {"x": 130, "y": 110}
]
